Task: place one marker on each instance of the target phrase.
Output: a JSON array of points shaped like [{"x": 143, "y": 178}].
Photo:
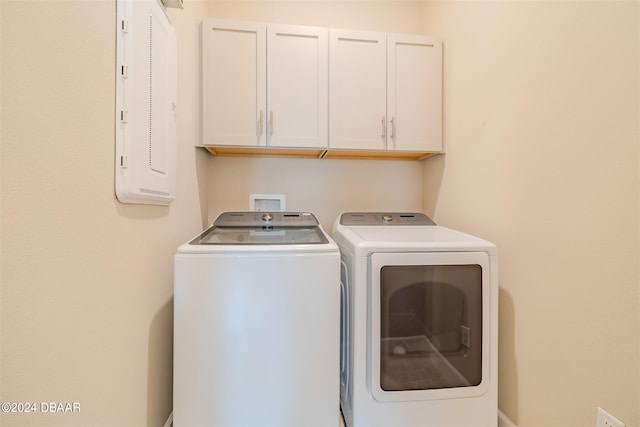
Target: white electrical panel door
[
  {"x": 297, "y": 86},
  {"x": 146, "y": 88},
  {"x": 233, "y": 83},
  {"x": 357, "y": 90},
  {"x": 414, "y": 93}
]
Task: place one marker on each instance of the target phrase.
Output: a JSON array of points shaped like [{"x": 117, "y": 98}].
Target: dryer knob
[
  {"x": 387, "y": 217},
  {"x": 267, "y": 217}
]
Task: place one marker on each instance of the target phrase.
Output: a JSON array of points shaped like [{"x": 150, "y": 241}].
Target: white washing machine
[
  {"x": 256, "y": 323},
  {"x": 419, "y": 331}
]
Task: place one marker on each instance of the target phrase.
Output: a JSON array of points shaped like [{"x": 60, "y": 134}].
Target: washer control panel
[
  {"x": 262, "y": 219},
  {"x": 385, "y": 218}
]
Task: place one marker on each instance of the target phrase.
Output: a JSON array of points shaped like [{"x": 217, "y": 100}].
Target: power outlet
[{"x": 605, "y": 419}]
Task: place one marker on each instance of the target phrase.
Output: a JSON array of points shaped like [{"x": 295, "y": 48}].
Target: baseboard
[{"x": 504, "y": 421}]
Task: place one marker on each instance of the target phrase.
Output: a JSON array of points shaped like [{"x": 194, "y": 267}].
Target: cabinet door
[
  {"x": 414, "y": 93},
  {"x": 297, "y": 86},
  {"x": 233, "y": 83},
  {"x": 357, "y": 90}
]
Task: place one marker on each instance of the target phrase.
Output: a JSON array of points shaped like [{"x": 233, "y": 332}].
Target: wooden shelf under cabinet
[
  {"x": 375, "y": 155},
  {"x": 300, "y": 153},
  {"x": 266, "y": 152}
]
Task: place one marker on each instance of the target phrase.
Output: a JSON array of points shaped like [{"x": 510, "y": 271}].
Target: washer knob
[
  {"x": 267, "y": 217},
  {"x": 387, "y": 217}
]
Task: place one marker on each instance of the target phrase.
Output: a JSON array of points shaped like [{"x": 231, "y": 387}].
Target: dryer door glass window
[{"x": 430, "y": 326}]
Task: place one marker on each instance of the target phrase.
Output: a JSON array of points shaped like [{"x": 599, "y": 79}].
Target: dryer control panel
[{"x": 385, "y": 218}]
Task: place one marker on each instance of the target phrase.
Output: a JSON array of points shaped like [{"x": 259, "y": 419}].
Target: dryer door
[{"x": 430, "y": 325}]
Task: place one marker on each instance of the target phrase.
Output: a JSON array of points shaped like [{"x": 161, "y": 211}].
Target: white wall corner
[
  {"x": 504, "y": 421},
  {"x": 169, "y": 422}
]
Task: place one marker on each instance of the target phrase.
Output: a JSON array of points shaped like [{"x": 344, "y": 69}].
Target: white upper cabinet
[
  {"x": 319, "y": 92},
  {"x": 297, "y": 86},
  {"x": 264, "y": 85},
  {"x": 414, "y": 93},
  {"x": 357, "y": 90},
  {"x": 234, "y": 70},
  {"x": 385, "y": 92}
]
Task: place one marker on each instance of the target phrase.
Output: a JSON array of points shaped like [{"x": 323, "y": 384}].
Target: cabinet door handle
[
  {"x": 384, "y": 128},
  {"x": 393, "y": 128},
  {"x": 270, "y": 122},
  {"x": 261, "y": 123}
]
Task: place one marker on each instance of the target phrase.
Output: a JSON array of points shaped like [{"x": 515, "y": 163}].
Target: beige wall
[
  {"x": 382, "y": 15},
  {"x": 541, "y": 125},
  {"x": 86, "y": 296},
  {"x": 324, "y": 187}
]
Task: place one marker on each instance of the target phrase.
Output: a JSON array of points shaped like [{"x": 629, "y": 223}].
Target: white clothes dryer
[
  {"x": 418, "y": 323},
  {"x": 256, "y": 323}
]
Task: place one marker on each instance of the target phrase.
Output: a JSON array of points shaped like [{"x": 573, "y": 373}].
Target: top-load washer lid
[{"x": 263, "y": 228}]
